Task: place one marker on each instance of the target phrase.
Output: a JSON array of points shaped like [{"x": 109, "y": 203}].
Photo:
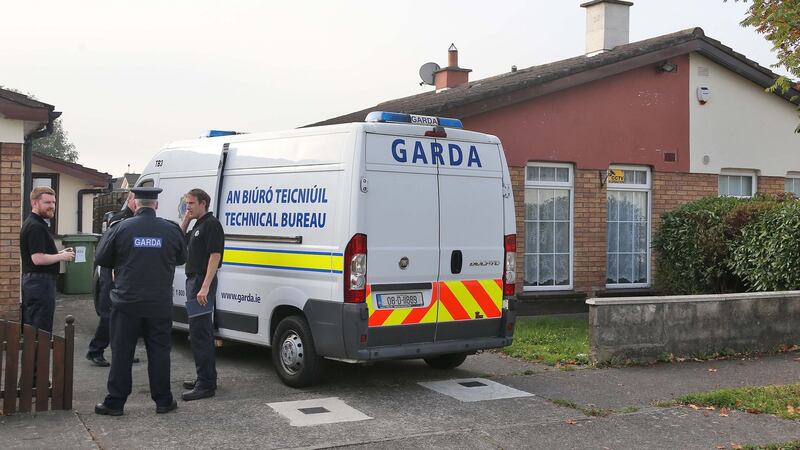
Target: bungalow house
[{"x": 600, "y": 145}]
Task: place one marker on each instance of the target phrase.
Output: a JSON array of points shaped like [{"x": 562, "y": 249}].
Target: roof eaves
[
  {"x": 87, "y": 174},
  {"x": 23, "y": 99}
]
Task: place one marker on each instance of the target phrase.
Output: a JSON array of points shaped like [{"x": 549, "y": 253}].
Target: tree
[
  {"x": 56, "y": 144},
  {"x": 779, "y": 22}
]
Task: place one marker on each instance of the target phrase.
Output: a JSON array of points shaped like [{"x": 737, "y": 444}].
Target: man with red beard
[{"x": 40, "y": 261}]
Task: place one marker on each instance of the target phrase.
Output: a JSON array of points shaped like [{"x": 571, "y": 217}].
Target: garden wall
[{"x": 645, "y": 329}]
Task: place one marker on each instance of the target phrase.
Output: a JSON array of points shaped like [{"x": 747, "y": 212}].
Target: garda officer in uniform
[
  {"x": 143, "y": 251},
  {"x": 106, "y": 283},
  {"x": 206, "y": 244}
]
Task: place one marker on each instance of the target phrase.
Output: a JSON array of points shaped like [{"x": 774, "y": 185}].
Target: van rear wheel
[
  {"x": 448, "y": 361},
  {"x": 294, "y": 354}
]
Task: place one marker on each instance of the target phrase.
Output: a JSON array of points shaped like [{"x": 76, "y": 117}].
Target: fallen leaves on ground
[
  {"x": 712, "y": 370},
  {"x": 694, "y": 407},
  {"x": 735, "y": 446},
  {"x": 792, "y": 410},
  {"x": 570, "y": 421},
  {"x": 723, "y": 412}
]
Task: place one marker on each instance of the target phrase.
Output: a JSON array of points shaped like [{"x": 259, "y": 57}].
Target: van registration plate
[{"x": 400, "y": 300}]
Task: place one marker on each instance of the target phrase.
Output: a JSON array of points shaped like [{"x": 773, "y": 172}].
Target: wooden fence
[{"x": 17, "y": 367}]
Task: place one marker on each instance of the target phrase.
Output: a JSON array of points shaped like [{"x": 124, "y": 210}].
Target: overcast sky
[{"x": 132, "y": 76}]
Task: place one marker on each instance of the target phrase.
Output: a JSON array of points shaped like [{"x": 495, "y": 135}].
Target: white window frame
[
  {"x": 739, "y": 173},
  {"x": 570, "y": 186},
  {"x": 795, "y": 177},
  {"x": 648, "y": 188}
]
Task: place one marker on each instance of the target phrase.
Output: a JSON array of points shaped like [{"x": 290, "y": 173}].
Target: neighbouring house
[
  {"x": 600, "y": 145},
  {"x": 22, "y": 119},
  {"x": 125, "y": 182},
  {"x": 75, "y": 187}
]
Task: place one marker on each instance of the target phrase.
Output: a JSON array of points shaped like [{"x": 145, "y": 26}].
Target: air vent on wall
[{"x": 670, "y": 157}]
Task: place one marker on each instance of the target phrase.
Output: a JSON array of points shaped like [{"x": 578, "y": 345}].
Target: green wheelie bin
[{"x": 78, "y": 276}]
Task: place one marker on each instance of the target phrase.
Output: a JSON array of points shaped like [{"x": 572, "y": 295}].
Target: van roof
[{"x": 380, "y": 128}]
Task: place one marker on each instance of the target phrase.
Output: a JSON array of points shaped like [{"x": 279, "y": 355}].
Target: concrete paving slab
[
  {"x": 671, "y": 428},
  {"x": 53, "y": 429},
  {"x": 318, "y": 411},
  {"x": 473, "y": 389}
]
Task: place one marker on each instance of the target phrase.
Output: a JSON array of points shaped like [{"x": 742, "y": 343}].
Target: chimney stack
[
  {"x": 607, "y": 25},
  {"x": 452, "y": 75}
]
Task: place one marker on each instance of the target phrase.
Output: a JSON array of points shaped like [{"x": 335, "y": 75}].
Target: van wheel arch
[{"x": 278, "y": 314}]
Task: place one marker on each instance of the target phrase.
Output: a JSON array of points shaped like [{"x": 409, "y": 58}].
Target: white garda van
[{"x": 389, "y": 239}]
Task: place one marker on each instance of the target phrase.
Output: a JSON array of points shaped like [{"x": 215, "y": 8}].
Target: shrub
[
  {"x": 693, "y": 247},
  {"x": 767, "y": 257},
  {"x": 696, "y": 242}
]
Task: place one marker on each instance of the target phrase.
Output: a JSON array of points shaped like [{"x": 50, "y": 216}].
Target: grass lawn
[
  {"x": 781, "y": 400},
  {"x": 793, "y": 445},
  {"x": 553, "y": 341}
]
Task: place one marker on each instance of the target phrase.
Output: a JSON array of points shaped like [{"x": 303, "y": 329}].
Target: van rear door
[
  {"x": 402, "y": 240},
  {"x": 471, "y": 260}
]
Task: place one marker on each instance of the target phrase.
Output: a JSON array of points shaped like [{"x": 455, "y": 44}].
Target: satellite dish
[{"x": 426, "y": 72}]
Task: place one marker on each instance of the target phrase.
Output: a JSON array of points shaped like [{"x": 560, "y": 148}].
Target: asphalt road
[{"x": 389, "y": 408}]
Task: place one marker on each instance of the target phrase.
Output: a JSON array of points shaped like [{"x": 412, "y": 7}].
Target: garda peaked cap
[{"x": 146, "y": 193}]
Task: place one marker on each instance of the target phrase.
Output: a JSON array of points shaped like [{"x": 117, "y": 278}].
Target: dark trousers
[
  {"x": 39, "y": 300},
  {"x": 102, "y": 335},
  {"x": 125, "y": 331},
  {"x": 201, "y": 335}
]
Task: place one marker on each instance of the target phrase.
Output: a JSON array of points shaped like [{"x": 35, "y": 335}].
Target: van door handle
[{"x": 456, "y": 260}]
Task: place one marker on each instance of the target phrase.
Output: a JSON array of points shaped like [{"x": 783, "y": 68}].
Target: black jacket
[
  {"x": 102, "y": 296},
  {"x": 143, "y": 251}
]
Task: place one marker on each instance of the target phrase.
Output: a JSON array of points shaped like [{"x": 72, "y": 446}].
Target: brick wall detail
[
  {"x": 10, "y": 221},
  {"x": 771, "y": 185},
  {"x": 669, "y": 190}
]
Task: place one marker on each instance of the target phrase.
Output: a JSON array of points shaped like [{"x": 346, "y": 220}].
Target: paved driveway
[{"x": 405, "y": 404}]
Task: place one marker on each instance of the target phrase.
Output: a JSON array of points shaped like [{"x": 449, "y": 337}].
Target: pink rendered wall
[{"x": 631, "y": 118}]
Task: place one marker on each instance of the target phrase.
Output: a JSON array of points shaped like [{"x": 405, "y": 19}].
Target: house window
[
  {"x": 737, "y": 184},
  {"x": 793, "y": 183},
  {"x": 628, "y": 228},
  {"x": 548, "y": 226},
  {"x": 50, "y": 180}
]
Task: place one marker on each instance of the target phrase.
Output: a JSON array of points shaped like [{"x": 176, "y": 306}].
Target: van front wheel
[
  {"x": 294, "y": 355},
  {"x": 448, "y": 361}
]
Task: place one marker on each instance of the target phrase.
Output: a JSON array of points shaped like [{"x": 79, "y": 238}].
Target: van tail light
[
  {"x": 510, "y": 264},
  {"x": 355, "y": 270}
]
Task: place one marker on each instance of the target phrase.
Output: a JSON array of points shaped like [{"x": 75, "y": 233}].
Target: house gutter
[{"x": 27, "y": 157}]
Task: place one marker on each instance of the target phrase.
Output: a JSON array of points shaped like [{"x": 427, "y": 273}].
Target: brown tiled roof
[{"x": 489, "y": 93}]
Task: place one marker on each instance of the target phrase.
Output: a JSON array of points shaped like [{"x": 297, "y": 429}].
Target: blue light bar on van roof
[
  {"x": 218, "y": 133},
  {"x": 385, "y": 116}
]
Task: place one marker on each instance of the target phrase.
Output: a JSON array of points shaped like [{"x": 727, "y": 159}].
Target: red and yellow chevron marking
[
  {"x": 470, "y": 300},
  {"x": 400, "y": 316},
  {"x": 450, "y": 300}
]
